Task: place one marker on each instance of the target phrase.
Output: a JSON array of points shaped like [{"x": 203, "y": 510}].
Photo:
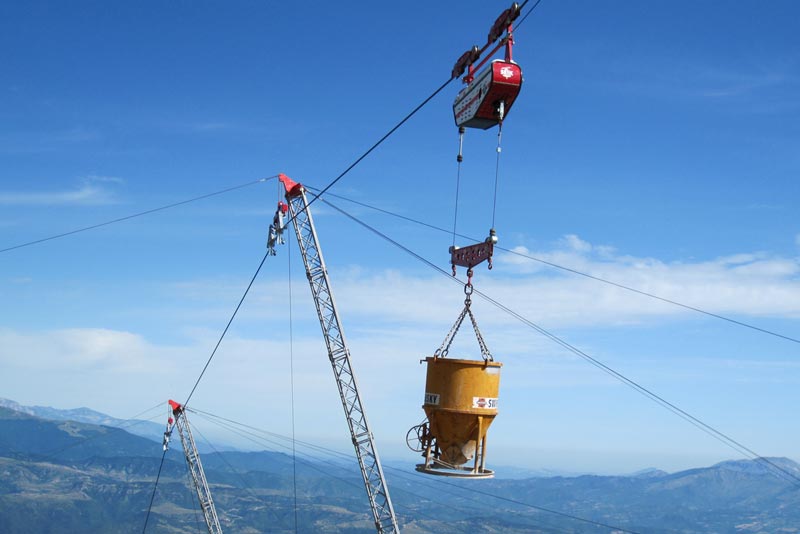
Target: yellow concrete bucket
[{"x": 461, "y": 403}]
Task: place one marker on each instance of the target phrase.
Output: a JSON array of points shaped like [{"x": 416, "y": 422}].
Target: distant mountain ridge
[
  {"x": 67, "y": 476},
  {"x": 146, "y": 429}
]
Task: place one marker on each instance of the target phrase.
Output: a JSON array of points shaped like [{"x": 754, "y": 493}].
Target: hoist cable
[
  {"x": 134, "y": 215},
  {"x": 459, "y": 160},
  {"x": 225, "y": 331},
  {"x": 695, "y": 421},
  {"x": 497, "y": 170},
  {"x": 155, "y": 487},
  {"x": 573, "y": 271}
]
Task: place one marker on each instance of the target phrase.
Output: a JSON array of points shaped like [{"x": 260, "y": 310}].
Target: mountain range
[{"x": 75, "y": 471}]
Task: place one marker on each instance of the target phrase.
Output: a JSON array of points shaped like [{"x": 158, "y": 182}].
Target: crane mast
[
  {"x": 195, "y": 467},
  {"x": 339, "y": 355}
]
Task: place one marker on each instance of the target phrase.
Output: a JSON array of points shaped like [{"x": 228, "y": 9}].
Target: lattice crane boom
[
  {"x": 339, "y": 355},
  {"x": 195, "y": 467}
]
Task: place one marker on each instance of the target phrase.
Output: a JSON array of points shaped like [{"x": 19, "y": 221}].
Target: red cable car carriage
[{"x": 488, "y": 97}]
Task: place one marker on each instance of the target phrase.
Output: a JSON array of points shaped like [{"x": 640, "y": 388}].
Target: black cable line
[
  {"x": 708, "y": 429},
  {"x": 231, "y": 425},
  {"x": 497, "y": 171},
  {"x": 155, "y": 487},
  {"x": 698, "y": 423},
  {"x": 342, "y": 174},
  {"x": 570, "y": 270},
  {"x": 525, "y": 16},
  {"x": 458, "y": 186},
  {"x": 377, "y": 143},
  {"x": 291, "y": 383},
  {"x": 255, "y": 438},
  {"x": 233, "y": 470},
  {"x": 651, "y": 295},
  {"x": 127, "y": 423},
  {"x": 409, "y": 476},
  {"x": 211, "y": 357},
  {"x": 192, "y": 493},
  {"x": 543, "y": 509},
  {"x": 225, "y": 331},
  {"x": 134, "y": 215}
]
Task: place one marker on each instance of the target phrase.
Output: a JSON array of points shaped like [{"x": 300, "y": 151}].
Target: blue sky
[{"x": 653, "y": 144}]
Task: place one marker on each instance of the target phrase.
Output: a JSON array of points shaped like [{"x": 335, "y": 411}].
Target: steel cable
[
  {"x": 134, "y": 215},
  {"x": 573, "y": 271},
  {"x": 698, "y": 423}
]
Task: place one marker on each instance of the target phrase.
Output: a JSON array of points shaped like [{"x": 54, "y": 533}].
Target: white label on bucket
[
  {"x": 489, "y": 403},
  {"x": 432, "y": 398}
]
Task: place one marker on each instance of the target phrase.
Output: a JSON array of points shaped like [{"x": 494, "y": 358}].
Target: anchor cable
[
  {"x": 255, "y": 432},
  {"x": 134, "y": 215},
  {"x": 155, "y": 487},
  {"x": 225, "y": 331}
]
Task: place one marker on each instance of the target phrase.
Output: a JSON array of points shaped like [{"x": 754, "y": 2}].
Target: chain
[
  {"x": 487, "y": 356},
  {"x": 442, "y": 351}
]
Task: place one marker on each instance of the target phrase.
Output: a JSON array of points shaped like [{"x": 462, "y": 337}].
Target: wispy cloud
[
  {"x": 36, "y": 142},
  {"x": 755, "y": 86},
  {"x": 93, "y": 191},
  {"x": 747, "y": 284}
]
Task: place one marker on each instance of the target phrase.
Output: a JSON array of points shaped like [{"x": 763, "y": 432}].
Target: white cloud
[
  {"x": 748, "y": 284},
  {"x": 576, "y": 243},
  {"x": 93, "y": 191},
  {"x": 76, "y": 349}
]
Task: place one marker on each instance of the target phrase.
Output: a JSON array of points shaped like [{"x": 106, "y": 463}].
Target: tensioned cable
[
  {"x": 573, "y": 271},
  {"x": 377, "y": 143},
  {"x": 233, "y": 470},
  {"x": 415, "y": 476},
  {"x": 458, "y": 181},
  {"x": 398, "y": 125},
  {"x": 155, "y": 487},
  {"x": 252, "y": 434},
  {"x": 225, "y": 331},
  {"x": 254, "y": 437},
  {"x": 291, "y": 383},
  {"x": 139, "y": 214},
  {"x": 208, "y": 362},
  {"x": 497, "y": 170},
  {"x": 698, "y": 423},
  {"x": 192, "y": 493},
  {"x": 127, "y": 422},
  {"x": 331, "y": 184},
  {"x": 525, "y": 16}
]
